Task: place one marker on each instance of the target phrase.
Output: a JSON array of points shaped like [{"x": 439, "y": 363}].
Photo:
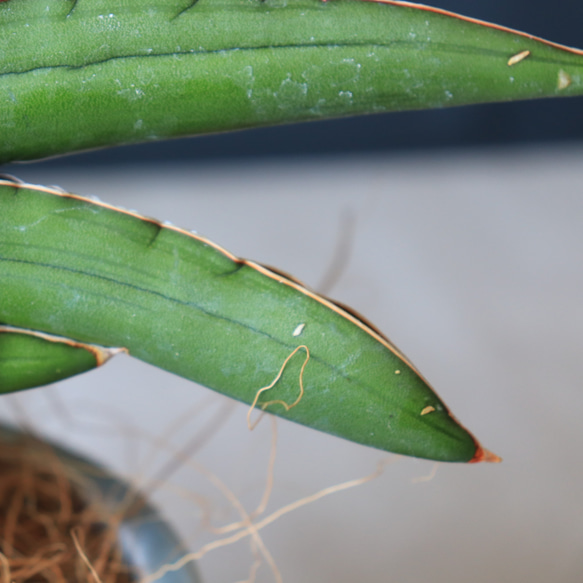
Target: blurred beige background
[{"x": 471, "y": 264}]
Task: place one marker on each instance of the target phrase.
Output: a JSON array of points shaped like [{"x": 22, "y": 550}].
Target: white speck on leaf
[
  {"x": 245, "y": 79},
  {"x": 563, "y": 80},
  {"x": 514, "y": 59},
  {"x": 299, "y": 329},
  {"x": 290, "y": 92},
  {"x": 346, "y": 97}
]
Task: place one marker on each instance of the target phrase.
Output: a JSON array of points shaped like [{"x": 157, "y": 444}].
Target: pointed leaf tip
[{"x": 484, "y": 455}]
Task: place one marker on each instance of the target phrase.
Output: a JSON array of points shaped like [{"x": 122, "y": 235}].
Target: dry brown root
[{"x": 51, "y": 529}]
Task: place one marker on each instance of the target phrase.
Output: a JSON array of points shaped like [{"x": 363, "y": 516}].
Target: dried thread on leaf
[{"x": 287, "y": 406}]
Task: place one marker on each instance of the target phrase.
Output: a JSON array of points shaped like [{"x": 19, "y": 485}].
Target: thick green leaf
[
  {"x": 29, "y": 359},
  {"x": 95, "y": 274},
  {"x": 77, "y": 74}
]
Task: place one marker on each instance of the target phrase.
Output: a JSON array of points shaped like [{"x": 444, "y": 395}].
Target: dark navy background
[{"x": 540, "y": 121}]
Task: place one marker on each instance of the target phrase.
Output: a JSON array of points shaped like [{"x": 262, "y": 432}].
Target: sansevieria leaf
[
  {"x": 30, "y": 359},
  {"x": 78, "y": 74},
  {"x": 78, "y": 275}
]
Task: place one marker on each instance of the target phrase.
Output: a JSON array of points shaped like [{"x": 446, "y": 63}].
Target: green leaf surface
[
  {"x": 94, "y": 274},
  {"x": 29, "y": 359},
  {"x": 78, "y": 74}
]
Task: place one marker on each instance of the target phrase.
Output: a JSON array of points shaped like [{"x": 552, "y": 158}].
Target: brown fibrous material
[{"x": 51, "y": 529}]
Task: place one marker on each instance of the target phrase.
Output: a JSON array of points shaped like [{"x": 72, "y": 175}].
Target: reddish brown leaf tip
[{"x": 483, "y": 455}]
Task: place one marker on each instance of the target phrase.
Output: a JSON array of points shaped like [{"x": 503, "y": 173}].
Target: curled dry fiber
[{"x": 47, "y": 522}]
